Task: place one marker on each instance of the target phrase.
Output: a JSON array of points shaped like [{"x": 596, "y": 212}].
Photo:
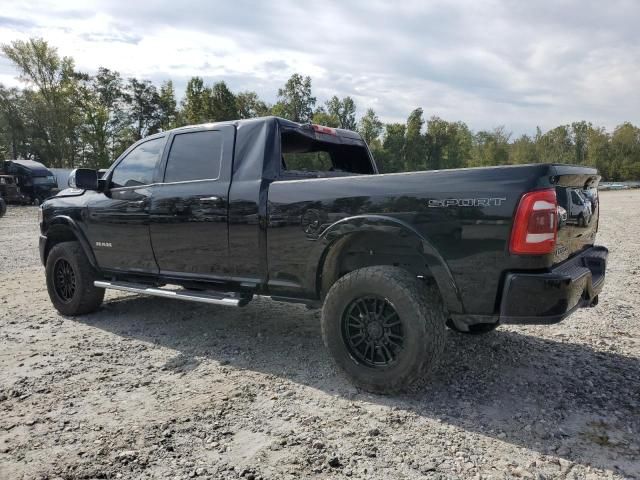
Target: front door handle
[{"x": 211, "y": 200}]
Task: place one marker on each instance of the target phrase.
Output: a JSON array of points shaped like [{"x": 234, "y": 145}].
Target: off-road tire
[
  {"x": 422, "y": 315},
  {"x": 85, "y": 298}
]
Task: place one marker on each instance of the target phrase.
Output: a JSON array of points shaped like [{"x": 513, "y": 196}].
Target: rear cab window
[
  {"x": 311, "y": 153},
  {"x": 195, "y": 156}
]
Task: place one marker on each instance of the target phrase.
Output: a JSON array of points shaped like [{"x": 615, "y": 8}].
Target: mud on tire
[
  {"x": 70, "y": 280},
  {"x": 401, "y": 319}
]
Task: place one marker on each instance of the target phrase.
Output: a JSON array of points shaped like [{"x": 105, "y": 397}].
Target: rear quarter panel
[{"x": 465, "y": 214}]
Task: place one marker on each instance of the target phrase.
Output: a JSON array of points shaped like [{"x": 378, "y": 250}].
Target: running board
[{"x": 229, "y": 301}]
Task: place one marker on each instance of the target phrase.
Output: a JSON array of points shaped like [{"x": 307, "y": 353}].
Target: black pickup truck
[{"x": 219, "y": 213}]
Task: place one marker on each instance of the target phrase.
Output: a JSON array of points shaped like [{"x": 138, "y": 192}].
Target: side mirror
[{"x": 84, "y": 179}]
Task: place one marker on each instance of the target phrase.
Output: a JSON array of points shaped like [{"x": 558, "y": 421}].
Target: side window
[
  {"x": 575, "y": 198},
  {"x": 195, "y": 156},
  {"x": 138, "y": 166}
]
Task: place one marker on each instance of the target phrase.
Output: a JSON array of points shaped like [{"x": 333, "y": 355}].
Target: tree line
[{"x": 66, "y": 118}]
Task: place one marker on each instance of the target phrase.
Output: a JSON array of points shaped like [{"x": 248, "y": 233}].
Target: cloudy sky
[{"x": 488, "y": 63}]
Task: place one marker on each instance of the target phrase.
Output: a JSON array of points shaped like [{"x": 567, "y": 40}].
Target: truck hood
[{"x": 70, "y": 192}]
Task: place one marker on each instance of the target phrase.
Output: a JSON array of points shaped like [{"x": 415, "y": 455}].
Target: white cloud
[{"x": 486, "y": 63}]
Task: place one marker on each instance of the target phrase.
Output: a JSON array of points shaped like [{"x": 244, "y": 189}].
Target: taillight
[
  {"x": 323, "y": 129},
  {"x": 535, "y": 226}
]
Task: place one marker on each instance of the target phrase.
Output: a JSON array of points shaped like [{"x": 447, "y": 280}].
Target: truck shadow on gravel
[{"x": 557, "y": 398}]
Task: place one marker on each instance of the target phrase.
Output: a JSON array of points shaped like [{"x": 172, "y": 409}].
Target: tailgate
[{"x": 578, "y": 209}]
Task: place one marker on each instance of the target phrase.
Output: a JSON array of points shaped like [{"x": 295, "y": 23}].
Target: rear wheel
[
  {"x": 384, "y": 327},
  {"x": 70, "y": 280},
  {"x": 3, "y": 207}
]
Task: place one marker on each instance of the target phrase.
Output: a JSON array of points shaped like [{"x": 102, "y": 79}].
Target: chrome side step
[{"x": 229, "y": 301}]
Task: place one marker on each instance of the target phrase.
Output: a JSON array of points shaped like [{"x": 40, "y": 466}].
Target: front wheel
[
  {"x": 384, "y": 327},
  {"x": 70, "y": 280}
]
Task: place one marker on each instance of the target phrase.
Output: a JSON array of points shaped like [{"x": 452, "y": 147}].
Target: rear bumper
[{"x": 544, "y": 298}]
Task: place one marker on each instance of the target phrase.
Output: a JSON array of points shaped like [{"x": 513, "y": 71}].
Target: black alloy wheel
[
  {"x": 372, "y": 331},
  {"x": 64, "y": 280}
]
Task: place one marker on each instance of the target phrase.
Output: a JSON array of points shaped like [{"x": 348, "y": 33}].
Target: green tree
[
  {"x": 322, "y": 117},
  {"x": 598, "y": 143},
  {"x": 436, "y": 141},
  {"x": 370, "y": 127},
  {"x": 448, "y": 144},
  {"x": 458, "y": 146},
  {"x": 415, "y": 146},
  {"x": 104, "y": 129},
  {"x": 491, "y": 148},
  {"x": 344, "y": 110},
  {"x": 195, "y": 102},
  {"x": 144, "y": 111},
  {"x": 13, "y": 130},
  {"x": 523, "y": 150},
  {"x": 394, "y": 147},
  {"x": 249, "y": 105},
  {"x": 222, "y": 104},
  {"x": 295, "y": 101},
  {"x": 53, "y": 117},
  {"x": 556, "y": 146},
  {"x": 625, "y": 149},
  {"x": 168, "y": 106},
  {"x": 579, "y": 133}
]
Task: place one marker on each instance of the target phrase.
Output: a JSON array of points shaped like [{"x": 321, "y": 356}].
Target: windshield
[{"x": 49, "y": 180}]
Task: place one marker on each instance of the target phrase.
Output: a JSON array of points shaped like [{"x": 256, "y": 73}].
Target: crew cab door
[
  {"x": 189, "y": 209},
  {"x": 118, "y": 219}
]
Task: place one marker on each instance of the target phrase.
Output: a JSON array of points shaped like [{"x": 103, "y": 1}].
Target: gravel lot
[{"x": 155, "y": 388}]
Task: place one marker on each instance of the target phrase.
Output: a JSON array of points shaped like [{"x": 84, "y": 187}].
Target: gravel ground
[{"x": 155, "y": 388}]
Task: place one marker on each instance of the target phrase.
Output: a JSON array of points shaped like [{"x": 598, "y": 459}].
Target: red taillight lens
[
  {"x": 535, "y": 224},
  {"x": 323, "y": 129}
]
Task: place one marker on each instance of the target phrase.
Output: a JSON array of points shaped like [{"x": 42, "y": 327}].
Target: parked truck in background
[
  {"x": 10, "y": 192},
  {"x": 36, "y": 182},
  {"x": 300, "y": 213}
]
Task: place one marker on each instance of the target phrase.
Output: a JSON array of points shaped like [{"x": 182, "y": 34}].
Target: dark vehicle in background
[
  {"x": 10, "y": 192},
  {"x": 35, "y": 180},
  {"x": 578, "y": 206},
  {"x": 299, "y": 213}
]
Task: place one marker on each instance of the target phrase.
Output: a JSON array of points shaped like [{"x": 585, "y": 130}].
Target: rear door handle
[{"x": 139, "y": 203}]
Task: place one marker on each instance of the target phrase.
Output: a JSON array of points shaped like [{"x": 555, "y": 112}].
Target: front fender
[
  {"x": 331, "y": 237},
  {"x": 59, "y": 228}
]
